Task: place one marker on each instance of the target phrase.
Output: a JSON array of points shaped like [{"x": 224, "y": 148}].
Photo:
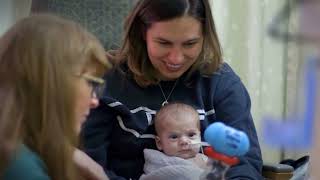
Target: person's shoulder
[
  {"x": 223, "y": 74},
  {"x": 225, "y": 71},
  {"x": 25, "y": 164}
]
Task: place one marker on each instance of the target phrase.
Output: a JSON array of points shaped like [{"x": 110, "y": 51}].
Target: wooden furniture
[{"x": 277, "y": 171}]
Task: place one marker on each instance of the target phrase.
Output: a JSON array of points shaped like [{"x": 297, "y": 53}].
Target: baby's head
[{"x": 178, "y": 127}]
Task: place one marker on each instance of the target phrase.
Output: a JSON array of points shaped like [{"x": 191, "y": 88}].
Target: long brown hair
[
  {"x": 39, "y": 57},
  {"x": 146, "y": 12}
]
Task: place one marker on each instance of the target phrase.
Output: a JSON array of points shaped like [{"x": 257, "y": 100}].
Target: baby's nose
[{"x": 185, "y": 142}]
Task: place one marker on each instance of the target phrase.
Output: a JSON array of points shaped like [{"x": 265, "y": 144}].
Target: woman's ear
[{"x": 158, "y": 143}]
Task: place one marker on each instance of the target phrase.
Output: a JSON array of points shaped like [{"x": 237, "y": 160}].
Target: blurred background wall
[{"x": 11, "y": 11}]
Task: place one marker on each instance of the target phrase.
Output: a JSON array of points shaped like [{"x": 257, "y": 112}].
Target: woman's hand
[{"x": 88, "y": 168}]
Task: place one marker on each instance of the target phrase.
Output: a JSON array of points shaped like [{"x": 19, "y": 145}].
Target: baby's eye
[
  {"x": 173, "y": 136},
  {"x": 192, "y": 134}
]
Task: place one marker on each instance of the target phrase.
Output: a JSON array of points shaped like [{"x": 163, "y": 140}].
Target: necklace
[{"x": 163, "y": 94}]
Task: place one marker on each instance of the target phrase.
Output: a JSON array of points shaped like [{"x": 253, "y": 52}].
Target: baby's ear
[{"x": 158, "y": 143}]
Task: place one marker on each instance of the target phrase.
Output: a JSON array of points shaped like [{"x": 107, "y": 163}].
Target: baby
[{"x": 177, "y": 127}]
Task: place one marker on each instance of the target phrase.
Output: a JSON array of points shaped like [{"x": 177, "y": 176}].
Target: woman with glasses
[
  {"x": 170, "y": 52},
  {"x": 50, "y": 78}
]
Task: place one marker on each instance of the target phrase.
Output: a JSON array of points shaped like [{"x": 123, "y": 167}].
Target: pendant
[{"x": 164, "y": 103}]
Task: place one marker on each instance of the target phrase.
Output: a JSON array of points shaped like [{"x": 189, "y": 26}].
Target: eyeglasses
[{"x": 97, "y": 85}]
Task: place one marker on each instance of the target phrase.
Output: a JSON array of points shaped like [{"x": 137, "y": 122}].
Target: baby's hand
[{"x": 201, "y": 161}]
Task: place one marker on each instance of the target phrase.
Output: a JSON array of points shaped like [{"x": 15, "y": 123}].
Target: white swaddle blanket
[{"x": 159, "y": 166}]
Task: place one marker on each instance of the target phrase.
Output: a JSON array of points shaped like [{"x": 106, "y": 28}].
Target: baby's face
[{"x": 177, "y": 136}]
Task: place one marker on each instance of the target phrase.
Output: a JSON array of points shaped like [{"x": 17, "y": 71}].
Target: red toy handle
[{"x": 210, "y": 152}]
